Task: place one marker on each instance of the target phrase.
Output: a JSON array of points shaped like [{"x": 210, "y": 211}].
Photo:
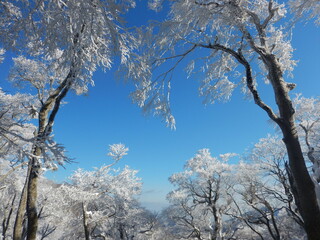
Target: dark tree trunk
[
  {"x": 32, "y": 198},
  {"x": 217, "y": 224},
  {"x": 7, "y": 217},
  {"x": 47, "y": 116},
  {"x": 306, "y": 194},
  {"x": 85, "y": 223},
  {"x": 20, "y": 217},
  {"x": 307, "y": 199},
  {"x": 302, "y": 183}
]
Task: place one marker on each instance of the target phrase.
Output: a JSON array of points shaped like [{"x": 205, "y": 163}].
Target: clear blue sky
[{"x": 88, "y": 124}]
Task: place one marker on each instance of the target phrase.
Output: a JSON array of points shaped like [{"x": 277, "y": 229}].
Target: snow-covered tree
[
  {"x": 262, "y": 197},
  {"x": 306, "y": 8},
  {"x": 113, "y": 202},
  {"x": 308, "y": 119},
  {"x": 62, "y": 44},
  {"x": 267, "y": 198},
  {"x": 10, "y": 15},
  {"x": 234, "y": 44},
  {"x": 200, "y": 199},
  {"x": 11, "y": 184},
  {"x": 16, "y": 133},
  {"x": 98, "y": 204}
]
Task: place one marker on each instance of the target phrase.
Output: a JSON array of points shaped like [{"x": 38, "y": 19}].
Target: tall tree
[
  {"x": 235, "y": 43},
  {"x": 200, "y": 199},
  {"x": 11, "y": 183},
  {"x": 112, "y": 201},
  {"x": 16, "y": 134},
  {"x": 262, "y": 198},
  {"x": 65, "y": 42}
]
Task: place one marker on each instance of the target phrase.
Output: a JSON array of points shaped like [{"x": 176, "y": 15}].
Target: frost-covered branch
[
  {"x": 3, "y": 177},
  {"x": 249, "y": 79},
  {"x": 306, "y": 8}
]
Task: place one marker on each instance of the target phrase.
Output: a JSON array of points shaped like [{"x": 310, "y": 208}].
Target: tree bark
[
  {"x": 305, "y": 198},
  {"x": 85, "y": 223},
  {"x": 32, "y": 197},
  {"x": 46, "y": 120},
  {"x": 308, "y": 206},
  {"x": 217, "y": 224},
  {"x": 7, "y": 217},
  {"x": 20, "y": 217}
]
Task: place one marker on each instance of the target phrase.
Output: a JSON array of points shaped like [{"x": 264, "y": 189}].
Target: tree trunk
[
  {"x": 20, "y": 217},
  {"x": 216, "y": 233},
  {"x": 28, "y": 201},
  {"x": 121, "y": 231},
  {"x": 85, "y": 223},
  {"x": 7, "y": 217},
  {"x": 46, "y": 120},
  {"x": 305, "y": 196},
  {"x": 308, "y": 205},
  {"x": 217, "y": 225},
  {"x": 32, "y": 198}
]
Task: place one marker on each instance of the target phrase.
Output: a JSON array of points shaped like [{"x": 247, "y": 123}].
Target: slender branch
[
  {"x": 13, "y": 134},
  {"x": 244, "y": 219},
  {"x": 12, "y": 170},
  {"x": 176, "y": 56},
  {"x": 306, "y": 139},
  {"x": 208, "y": 4},
  {"x": 250, "y": 84},
  {"x": 165, "y": 74},
  {"x": 270, "y": 16},
  {"x": 57, "y": 105}
]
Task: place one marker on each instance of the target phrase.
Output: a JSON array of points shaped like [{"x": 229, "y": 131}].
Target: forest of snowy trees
[{"x": 56, "y": 46}]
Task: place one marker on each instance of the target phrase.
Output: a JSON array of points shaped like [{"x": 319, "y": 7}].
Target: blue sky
[{"x": 88, "y": 124}]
